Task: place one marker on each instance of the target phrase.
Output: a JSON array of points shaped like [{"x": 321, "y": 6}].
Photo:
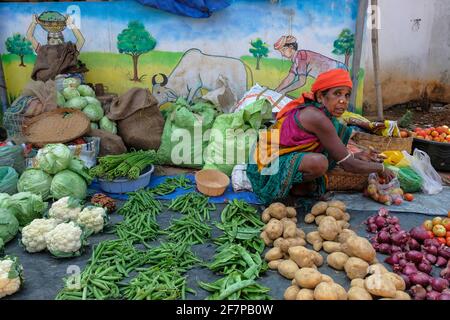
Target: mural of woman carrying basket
[{"x": 57, "y": 57}]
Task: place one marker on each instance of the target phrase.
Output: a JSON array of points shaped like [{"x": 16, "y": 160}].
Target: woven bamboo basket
[
  {"x": 381, "y": 143},
  {"x": 340, "y": 180}
]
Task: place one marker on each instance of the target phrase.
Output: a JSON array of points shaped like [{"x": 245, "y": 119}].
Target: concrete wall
[{"x": 414, "y": 47}]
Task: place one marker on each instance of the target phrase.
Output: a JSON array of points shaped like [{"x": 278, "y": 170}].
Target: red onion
[
  {"x": 383, "y": 237},
  {"x": 406, "y": 279},
  {"x": 419, "y": 233},
  {"x": 395, "y": 249},
  {"x": 380, "y": 221},
  {"x": 444, "y": 252},
  {"x": 413, "y": 244},
  {"x": 420, "y": 278},
  {"x": 392, "y": 260},
  {"x": 444, "y": 296},
  {"x": 397, "y": 268},
  {"x": 409, "y": 269},
  {"x": 402, "y": 262},
  {"x": 414, "y": 256},
  {"x": 432, "y": 259},
  {"x": 432, "y": 242},
  {"x": 418, "y": 292},
  {"x": 425, "y": 267},
  {"x": 400, "y": 237},
  {"x": 439, "y": 284},
  {"x": 440, "y": 262},
  {"x": 393, "y": 220},
  {"x": 433, "y": 295},
  {"x": 371, "y": 220},
  {"x": 384, "y": 248},
  {"x": 372, "y": 228},
  {"x": 431, "y": 249},
  {"x": 445, "y": 273}
]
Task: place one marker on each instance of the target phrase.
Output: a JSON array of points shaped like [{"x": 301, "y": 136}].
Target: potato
[
  {"x": 305, "y": 294},
  {"x": 328, "y": 228},
  {"x": 291, "y": 212},
  {"x": 401, "y": 295},
  {"x": 356, "y": 268},
  {"x": 358, "y": 293},
  {"x": 359, "y": 247},
  {"x": 343, "y": 224},
  {"x": 319, "y": 208},
  {"x": 308, "y": 278},
  {"x": 302, "y": 256},
  {"x": 358, "y": 283},
  {"x": 337, "y": 260},
  {"x": 326, "y": 291},
  {"x": 327, "y": 278},
  {"x": 265, "y": 216},
  {"x": 293, "y": 282},
  {"x": 342, "y": 294},
  {"x": 346, "y": 217},
  {"x": 277, "y": 210},
  {"x": 318, "y": 219},
  {"x": 287, "y": 269},
  {"x": 336, "y": 213},
  {"x": 274, "y": 264},
  {"x": 266, "y": 239},
  {"x": 309, "y": 218},
  {"x": 313, "y": 237},
  {"x": 345, "y": 234},
  {"x": 294, "y": 220},
  {"x": 274, "y": 254},
  {"x": 377, "y": 268},
  {"x": 289, "y": 229},
  {"x": 291, "y": 293},
  {"x": 318, "y": 259},
  {"x": 277, "y": 242},
  {"x": 398, "y": 281},
  {"x": 300, "y": 233},
  {"x": 337, "y": 204},
  {"x": 293, "y": 242},
  {"x": 274, "y": 229},
  {"x": 331, "y": 246},
  {"x": 380, "y": 284}
]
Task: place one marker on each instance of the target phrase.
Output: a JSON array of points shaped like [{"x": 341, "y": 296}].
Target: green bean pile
[
  {"x": 189, "y": 230},
  {"x": 193, "y": 203},
  {"x": 171, "y": 184},
  {"x": 138, "y": 228},
  {"x": 172, "y": 255},
  {"x": 141, "y": 201}
]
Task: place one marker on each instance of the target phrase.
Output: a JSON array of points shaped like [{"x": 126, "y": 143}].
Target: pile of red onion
[{"x": 412, "y": 255}]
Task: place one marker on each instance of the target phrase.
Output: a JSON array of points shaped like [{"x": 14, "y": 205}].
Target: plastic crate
[
  {"x": 124, "y": 185},
  {"x": 438, "y": 152}
]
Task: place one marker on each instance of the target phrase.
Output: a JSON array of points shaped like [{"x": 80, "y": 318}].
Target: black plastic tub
[{"x": 439, "y": 153}]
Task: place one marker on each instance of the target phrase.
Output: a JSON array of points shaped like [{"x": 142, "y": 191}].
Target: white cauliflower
[
  {"x": 66, "y": 240},
  {"x": 11, "y": 276},
  {"x": 33, "y": 235},
  {"x": 65, "y": 209},
  {"x": 92, "y": 218}
]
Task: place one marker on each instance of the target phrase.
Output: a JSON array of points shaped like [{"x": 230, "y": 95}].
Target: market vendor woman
[{"x": 306, "y": 141}]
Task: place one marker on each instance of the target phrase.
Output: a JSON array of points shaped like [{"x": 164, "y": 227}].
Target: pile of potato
[{"x": 347, "y": 252}]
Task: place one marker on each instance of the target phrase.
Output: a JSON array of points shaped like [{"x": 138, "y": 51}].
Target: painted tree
[
  {"x": 20, "y": 45},
  {"x": 344, "y": 44},
  {"x": 135, "y": 41},
  {"x": 259, "y": 50}
]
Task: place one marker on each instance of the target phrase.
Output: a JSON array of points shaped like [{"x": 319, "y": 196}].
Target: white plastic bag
[
  {"x": 420, "y": 162},
  {"x": 239, "y": 179}
]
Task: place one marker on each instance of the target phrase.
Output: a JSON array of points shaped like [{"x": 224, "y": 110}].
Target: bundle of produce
[
  {"x": 412, "y": 256},
  {"x": 128, "y": 165},
  {"x": 385, "y": 193},
  {"x": 102, "y": 200},
  {"x": 82, "y": 97}
]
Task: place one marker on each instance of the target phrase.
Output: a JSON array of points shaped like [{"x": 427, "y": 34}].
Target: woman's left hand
[{"x": 370, "y": 155}]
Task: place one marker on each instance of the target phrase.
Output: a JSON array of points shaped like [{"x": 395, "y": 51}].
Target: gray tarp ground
[{"x": 44, "y": 274}]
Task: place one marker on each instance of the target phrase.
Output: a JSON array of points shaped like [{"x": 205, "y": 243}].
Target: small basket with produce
[{"x": 52, "y": 21}]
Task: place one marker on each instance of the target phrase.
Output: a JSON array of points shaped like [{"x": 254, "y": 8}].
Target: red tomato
[
  {"x": 448, "y": 241},
  {"x": 446, "y": 223},
  {"x": 408, "y": 197},
  {"x": 441, "y": 240},
  {"x": 431, "y": 234}
]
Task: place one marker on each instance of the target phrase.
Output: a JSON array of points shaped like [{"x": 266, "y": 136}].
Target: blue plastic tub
[{"x": 124, "y": 185}]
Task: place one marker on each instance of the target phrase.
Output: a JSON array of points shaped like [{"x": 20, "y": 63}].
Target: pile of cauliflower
[
  {"x": 64, "y": 233},
  {"x": 11, "y": 276}
]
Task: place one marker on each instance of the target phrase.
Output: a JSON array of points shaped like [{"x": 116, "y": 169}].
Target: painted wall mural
[{"x": 123, "y": 44}]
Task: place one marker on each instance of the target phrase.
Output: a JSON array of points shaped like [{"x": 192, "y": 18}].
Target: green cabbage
[
  {"x": 35, "y": 181},
  {"x": 76, "y": 103},
  {"x": 86, "y": 91},
  {"x": 108, "y": 125},
  {"x": 9, "y": 226},
  {"x": 93, "y": 112},
  {"x": 94, "y": 125},
  {"x": 91, "y": 100},
  {"x": 26, "y": 207},
  {"x": 68, "y": 183},
  {"x": 60, "y": 101},
  {"x": 5, "y": 200},
  {"x": 70, "y": 93},
  {"x": 71, "y": 82},
  {"x": 77, "y": 166},
  {"x": 53, "y": 158}
]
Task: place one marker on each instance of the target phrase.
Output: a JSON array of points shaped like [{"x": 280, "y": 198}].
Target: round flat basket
[
  {"x": 57, "y": 126},
  {"x": 211, "y": 182},
  {"x": 124, "y": 185}
]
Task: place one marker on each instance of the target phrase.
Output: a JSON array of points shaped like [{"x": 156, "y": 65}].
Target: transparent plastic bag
[
  {"x": 420, "y": 162},
  {"x": 386, "y": 193}
]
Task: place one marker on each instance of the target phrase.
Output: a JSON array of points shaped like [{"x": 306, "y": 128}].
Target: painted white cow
[{"x": 197, "y": 70}]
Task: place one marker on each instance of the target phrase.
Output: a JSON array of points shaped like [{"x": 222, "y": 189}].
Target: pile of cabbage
[
  {"x": 57, "y": 174},
  {"x": 82, "y": 97}
]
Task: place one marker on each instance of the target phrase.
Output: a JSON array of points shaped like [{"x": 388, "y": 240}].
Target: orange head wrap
[{"x": 326, "y": 80}]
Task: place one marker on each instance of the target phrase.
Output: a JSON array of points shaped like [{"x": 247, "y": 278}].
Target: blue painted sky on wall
[{"x": 315, "y": 23}]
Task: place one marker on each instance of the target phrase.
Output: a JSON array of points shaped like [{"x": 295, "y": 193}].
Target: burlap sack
[
  {"x": 139, "y": 120},
  {"x": 109, "y": 143}
]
